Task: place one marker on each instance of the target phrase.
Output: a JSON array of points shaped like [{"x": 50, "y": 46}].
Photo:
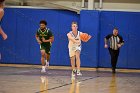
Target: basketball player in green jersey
[{"x": 44, "y": 37}]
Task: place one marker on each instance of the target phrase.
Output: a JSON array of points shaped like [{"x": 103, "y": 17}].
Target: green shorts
[{"x": 46, "y": 47}]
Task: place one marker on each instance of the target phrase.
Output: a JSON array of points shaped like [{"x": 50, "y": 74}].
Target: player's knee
[
  {"x": 77, "y": 57},
  {"x": 42, "y": 54}
]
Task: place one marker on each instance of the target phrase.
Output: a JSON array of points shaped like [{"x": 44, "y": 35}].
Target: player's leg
[
  {"x": 116, "y": 54},
  {"x": 47, "y": 54},
  {"x": 113, "y": 62},
  {"x": 43, "y": 60},
  {"x": 72, "y": 59},
  {"x": 112, "y": 55},
  {"x": 47, "y": 59},
  {"x": 78, "y": 62}
]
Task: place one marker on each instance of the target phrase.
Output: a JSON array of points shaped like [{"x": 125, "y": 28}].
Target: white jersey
[{"x": 74, "y": 46}]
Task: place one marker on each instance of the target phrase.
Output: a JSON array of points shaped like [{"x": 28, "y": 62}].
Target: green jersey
[{"x": 46, "y": 34}]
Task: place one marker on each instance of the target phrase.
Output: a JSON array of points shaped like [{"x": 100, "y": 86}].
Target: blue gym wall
[
  {"x": 22, "y": 48},
  {"x": 89, "y": 23},
  {"x": 21, "y": 26},
  {"x": 128, "y": 24}
]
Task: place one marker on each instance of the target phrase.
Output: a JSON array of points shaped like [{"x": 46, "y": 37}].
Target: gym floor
[{"x": 16, "y": 78}]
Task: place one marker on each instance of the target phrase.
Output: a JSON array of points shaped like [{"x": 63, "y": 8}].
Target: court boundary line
[{"x": 68, "y": 68}]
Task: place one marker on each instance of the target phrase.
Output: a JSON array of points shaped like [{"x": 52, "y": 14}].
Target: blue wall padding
[
  {"x": 21, "y": 47},
  {"x": 127, "y": 22},
  {"x": 89, "y": 23},
  {"x": 8, "y": 47},
  {"x": 21, "y": 26}
]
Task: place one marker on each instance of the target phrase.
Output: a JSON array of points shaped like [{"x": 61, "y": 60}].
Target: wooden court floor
[{"x": 28, "y": 79}]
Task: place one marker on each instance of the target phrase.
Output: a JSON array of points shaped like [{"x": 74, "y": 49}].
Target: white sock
[
  {"x": 78, "y": 70},
  {"x": 46, "y": 61}
]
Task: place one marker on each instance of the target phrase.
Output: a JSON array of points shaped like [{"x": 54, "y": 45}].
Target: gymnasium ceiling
[
  {"x": 73, "y": 5},
  {"x": 44, "y": 2}
]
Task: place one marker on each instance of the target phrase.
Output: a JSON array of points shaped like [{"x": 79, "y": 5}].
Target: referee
[{"x": 115, "y": 41}]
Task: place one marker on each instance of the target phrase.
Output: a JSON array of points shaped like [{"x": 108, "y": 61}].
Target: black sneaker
[{"x": 113, "y": 71}]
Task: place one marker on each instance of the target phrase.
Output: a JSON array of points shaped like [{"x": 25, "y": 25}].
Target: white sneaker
[
  {"x": 72, "y": 78},
  {"x": 43, "y": 71},
  {"x": 79, "y": 73}
]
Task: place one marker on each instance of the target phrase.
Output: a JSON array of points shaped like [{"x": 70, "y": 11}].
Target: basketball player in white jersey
[{"x": 75, "y": 48}]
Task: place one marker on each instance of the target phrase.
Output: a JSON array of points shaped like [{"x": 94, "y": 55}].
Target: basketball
[{"x": 85, "y": 37}]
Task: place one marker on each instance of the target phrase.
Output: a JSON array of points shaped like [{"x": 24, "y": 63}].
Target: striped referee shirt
[{"x": 114, "y": 41}]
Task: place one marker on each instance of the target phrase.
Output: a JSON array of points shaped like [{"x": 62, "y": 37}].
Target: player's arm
[
  {"x": 3, "y": 34},
  {"x": 89, "y": 36},
  {"x": 51, "y": 39},
  {"x": 71, "y": 38},
  {"x": 37, "y": 38},
  {"x": 1, "y": 14},
  {"x": 1, "y": 31},
  {"x": 121, "y": 40},
  {"x": 106, "y": 40}
]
